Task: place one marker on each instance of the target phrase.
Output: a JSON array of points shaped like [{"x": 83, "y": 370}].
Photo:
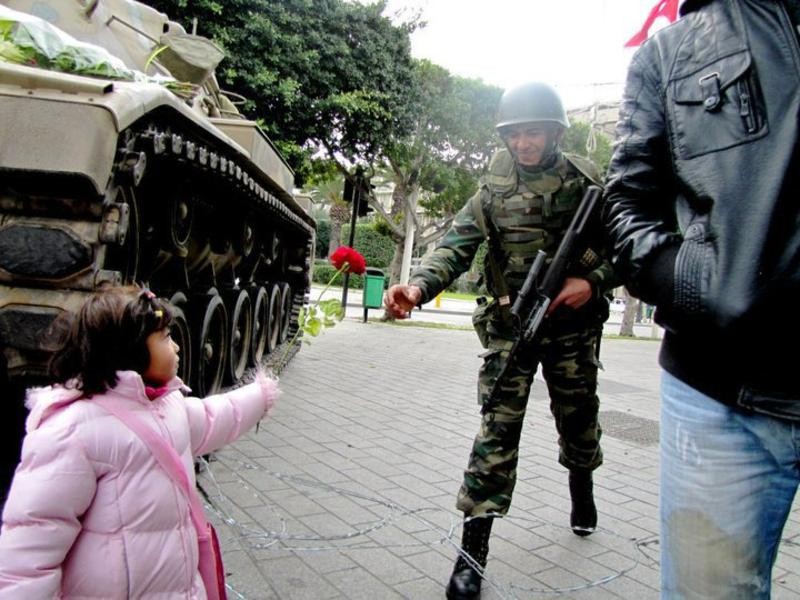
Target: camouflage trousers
[{"x": 569, "y": 365}]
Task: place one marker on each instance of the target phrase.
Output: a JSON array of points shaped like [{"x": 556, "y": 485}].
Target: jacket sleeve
[
  {"x": 452, "y": 257},
  {"x": 221, "y": 419},
  {"x": 638, "y": 212},
  {"x": 53, "y": 487},
  {"x": 603, "y": 279}
]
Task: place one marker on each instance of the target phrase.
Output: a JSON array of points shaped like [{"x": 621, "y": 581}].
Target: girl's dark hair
[{"x": 107, "y": 334}]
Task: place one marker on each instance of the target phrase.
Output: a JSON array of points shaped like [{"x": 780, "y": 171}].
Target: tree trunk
[
  {"x": 629, "y": 315},
  {"x": 398, "y": 215},
  {"x": 336, "y": 233},
  {"x": 340, "y": 214},
  {"x": 397, "y": 262},
  {"x": 398, "y": 208}
]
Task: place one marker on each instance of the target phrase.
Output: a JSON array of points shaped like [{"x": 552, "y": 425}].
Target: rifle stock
[{"x": 537, "y": 292}]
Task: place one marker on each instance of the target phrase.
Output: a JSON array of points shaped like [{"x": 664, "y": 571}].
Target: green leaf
[
  {"x": 330, "y": 307},
  {"x": 313, "y": 327}
]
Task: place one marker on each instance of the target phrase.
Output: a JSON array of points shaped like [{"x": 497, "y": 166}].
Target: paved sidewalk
[{"x": 347, "y": 491}]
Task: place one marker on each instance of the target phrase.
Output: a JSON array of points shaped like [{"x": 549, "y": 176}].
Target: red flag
[{"x": 664, "y": 8}]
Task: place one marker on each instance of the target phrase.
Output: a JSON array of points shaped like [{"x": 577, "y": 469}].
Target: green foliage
[
  {"x": 324, "y": 271},
  {"x": 324, "y": 313},
  {"x": 376, "y": 248},
  {"x": 449, "y": 189},
  {"x": 328, "y": 75},
  {"x": 382, "y": 226},
  {"x": 321, "y": 314},
  {"x": 471, "y": 282},
  {"x": 323, "y": 238},
  {"x": 574, "y": 141},
  {"x": 451, "y": 141}
]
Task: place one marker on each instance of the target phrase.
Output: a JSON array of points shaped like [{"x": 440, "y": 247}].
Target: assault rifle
[{"x": 533, "y": 300}]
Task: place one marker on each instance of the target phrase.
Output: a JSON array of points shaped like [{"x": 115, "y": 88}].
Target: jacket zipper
[{"x": 746, "y": 106}]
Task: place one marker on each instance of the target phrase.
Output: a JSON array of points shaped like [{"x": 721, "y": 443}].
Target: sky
[{"x": 575, "y": 45}]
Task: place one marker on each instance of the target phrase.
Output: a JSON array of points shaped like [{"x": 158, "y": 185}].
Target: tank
[{"x": 106, "y": 181}]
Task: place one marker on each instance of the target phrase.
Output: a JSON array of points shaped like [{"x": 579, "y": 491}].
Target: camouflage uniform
[{"x": 529, "y": 212}]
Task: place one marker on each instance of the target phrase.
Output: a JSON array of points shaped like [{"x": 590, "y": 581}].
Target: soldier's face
[{"x": 528, "y": 142}]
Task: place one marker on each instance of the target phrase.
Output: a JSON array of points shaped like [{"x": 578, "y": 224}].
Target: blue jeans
[{"x": 727, "y": 483}]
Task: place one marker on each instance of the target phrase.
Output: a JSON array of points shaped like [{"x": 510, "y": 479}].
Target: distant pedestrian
[
  {"x": 524, "y": 204},
  {"x": 703, "y": 216},
  {"x": 93, "y": 512}
]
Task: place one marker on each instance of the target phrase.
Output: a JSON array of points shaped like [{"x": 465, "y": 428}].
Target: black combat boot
[
  {"x": 465, "y": 583},
  {"x": 583, "y": 518}
]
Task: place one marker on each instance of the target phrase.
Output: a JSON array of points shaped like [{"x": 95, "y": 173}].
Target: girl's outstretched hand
[{"x": 269, "y": 388}]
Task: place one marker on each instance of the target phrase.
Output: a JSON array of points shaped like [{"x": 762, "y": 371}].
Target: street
[{"x": 347, "y": 490}]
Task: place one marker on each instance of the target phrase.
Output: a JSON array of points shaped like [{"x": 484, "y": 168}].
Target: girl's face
[{"x": 163, "y": 358}]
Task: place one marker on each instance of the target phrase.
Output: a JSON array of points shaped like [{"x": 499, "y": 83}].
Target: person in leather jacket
[{"x": 702, "y": 208}]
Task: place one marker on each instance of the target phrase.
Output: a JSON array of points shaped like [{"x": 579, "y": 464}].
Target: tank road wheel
[
  {"x": 181, "y": 336},
  {"x": 180, "y": 215},
  {"x": 240, "y": 330},
  {"x": 274, "y": 317},
  {"x": 286, "y": 310},
  {"x": 124, "y": 256},
  {"x": 210, "y": 334},
  {"x": 258, "y": 341}
]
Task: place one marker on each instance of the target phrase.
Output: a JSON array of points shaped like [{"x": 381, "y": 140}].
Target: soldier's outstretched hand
[{"x": 401, "y": 300}]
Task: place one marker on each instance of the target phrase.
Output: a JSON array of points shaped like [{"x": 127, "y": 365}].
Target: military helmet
[{"x": 530, "y": 103}]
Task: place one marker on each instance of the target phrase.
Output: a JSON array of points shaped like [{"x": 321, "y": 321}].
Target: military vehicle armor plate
[{"x": 108, "y": 181}]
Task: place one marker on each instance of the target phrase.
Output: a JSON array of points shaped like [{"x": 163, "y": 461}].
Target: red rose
[{"x": 346, "y": 255}]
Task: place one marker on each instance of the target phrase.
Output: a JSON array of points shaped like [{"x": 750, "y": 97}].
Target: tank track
[
  {"x": 185, "y": 151},
  {"x": 270, "y": 262},
  {"x": 161, "y": 142}
]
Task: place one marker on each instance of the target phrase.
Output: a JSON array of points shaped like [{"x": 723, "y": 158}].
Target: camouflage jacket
[{"x": 528, "y": 216}]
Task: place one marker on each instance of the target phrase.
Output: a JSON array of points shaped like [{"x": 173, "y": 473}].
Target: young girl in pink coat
[{"x": 91, "y": 513}]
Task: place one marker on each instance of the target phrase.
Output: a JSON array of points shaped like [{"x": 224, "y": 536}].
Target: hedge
[
  {"x": 323, "y": 238},
  {"x": 376, "y": 248},
  {"x": 323, "y": 271}
]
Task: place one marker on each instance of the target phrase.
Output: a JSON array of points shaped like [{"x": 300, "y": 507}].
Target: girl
[{"x": 91, "y": 512}]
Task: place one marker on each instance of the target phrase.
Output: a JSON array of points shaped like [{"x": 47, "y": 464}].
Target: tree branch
[{"x": 439, "y": 230}]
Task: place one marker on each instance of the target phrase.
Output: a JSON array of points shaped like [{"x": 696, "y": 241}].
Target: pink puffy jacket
[{"x": 91, "y": 514}]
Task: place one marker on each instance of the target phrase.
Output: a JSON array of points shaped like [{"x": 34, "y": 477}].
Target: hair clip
[
  {"x": 158, "y": 313},
  {"x": 148, "y": 294}
]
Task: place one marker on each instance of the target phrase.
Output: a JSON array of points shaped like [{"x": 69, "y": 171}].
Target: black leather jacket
[{"x": 703, "y": 197}]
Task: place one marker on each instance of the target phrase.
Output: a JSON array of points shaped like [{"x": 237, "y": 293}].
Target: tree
[
  {"x": 438, "y": 162},
  {"x": 629, "y": 315},
  {"x": 328, "y": 79},
  {"x": 580, "y": 135}
]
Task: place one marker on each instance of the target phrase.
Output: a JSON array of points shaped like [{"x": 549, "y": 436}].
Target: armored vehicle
[{"x": 113, "y": 180}]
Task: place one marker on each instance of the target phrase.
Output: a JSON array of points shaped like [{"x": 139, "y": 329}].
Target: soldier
[{"x": 523, "y": 205}]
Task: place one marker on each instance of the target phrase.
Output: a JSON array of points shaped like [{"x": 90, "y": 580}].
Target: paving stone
[{"x": 292, "y": 579}]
